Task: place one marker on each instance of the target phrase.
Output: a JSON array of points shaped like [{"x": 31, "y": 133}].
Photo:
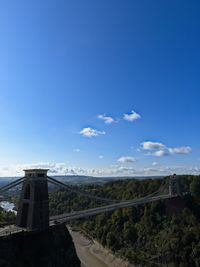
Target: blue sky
[{"x": 64, "y": 63}]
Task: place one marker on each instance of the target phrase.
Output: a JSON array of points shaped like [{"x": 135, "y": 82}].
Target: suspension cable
[
  {"x": 11, "y": 185},
  {"x": 70, "y": 188}
]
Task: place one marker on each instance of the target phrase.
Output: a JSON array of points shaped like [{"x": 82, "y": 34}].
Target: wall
[{"x": 48, "y": 248}]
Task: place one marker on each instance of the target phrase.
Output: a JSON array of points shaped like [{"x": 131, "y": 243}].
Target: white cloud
[
  {"x": 180, "y": 150},
  {"x": 126, "y": 159},
  {"x": 106, "y": 119},
  {"x": 133, "y": 116},
  {"x": 125, "y": 170},
  {"x": 89, "y": 132},
  {"x": 152, "y": 146},
  {"x": 115, "y": 170},
  {"x": 159, "y": 150},
  {"x": 101, "y": 156},
  {"x": 160, "y": 153},
  {"x": 76, "y": 150},
  {"x": 155, "y": 163}
]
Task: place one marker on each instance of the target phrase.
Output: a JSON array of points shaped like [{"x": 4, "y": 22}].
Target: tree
[
  {"x": 195, "y": 186},
  {"x": 111, "y": 240}
]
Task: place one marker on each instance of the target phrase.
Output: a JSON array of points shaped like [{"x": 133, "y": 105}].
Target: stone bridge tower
[
  {"x": 33, "y": 209},
  {"x": 174, "y": 187}
]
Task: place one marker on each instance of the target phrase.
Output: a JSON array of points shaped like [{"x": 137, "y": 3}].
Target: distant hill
[{"x": 82, "y": 179}]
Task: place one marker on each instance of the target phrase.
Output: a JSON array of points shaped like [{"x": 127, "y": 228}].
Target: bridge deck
[
  {"x": 92, "y": 212},
  {"x": 11, "y": 229}
]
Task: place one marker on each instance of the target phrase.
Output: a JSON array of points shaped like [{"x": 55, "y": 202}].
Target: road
[{"x": 66, "y": 217}]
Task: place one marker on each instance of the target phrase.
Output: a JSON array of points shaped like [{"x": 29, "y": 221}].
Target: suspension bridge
[{"x": 33, "y": 208}]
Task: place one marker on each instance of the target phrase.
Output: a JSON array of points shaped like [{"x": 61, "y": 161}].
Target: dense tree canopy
[
  {"x": 144, "y": 234},
  {"x": 7, "y": 217},
  {"x": 195, "y": 186},
  {"x": 147, "y": 234}
]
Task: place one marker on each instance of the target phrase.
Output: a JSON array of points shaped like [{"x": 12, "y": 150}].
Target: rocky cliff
[{"x": 48, "y": 248}]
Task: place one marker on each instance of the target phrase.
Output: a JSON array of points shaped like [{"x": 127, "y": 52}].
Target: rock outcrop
[{"x": 47, "y": 248}]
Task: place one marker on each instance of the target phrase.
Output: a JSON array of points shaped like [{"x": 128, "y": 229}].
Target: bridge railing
[{"x": 94, "y": 211}]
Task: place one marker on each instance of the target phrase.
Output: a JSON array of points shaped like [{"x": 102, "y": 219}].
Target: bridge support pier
[
  {"x": 33, "y": 208},
  {"x": 174, "y": 188}
]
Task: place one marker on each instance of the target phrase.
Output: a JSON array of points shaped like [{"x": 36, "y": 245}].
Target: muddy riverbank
[{"x": 91, "y": 253}]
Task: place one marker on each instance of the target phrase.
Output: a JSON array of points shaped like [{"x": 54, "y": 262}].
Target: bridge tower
[
  {"x": 33, "y": 209},
  {"x": 174, "y": 188}
]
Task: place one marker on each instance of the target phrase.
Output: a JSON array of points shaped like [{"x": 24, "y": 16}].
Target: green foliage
[
  {"x": 144, "y": 235},
  {"x": 195, "y": 187},
  {"x": 7, "y": 217}
]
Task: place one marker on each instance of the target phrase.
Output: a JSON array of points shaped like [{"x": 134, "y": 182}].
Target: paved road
[{"x": 92, "y": 212}]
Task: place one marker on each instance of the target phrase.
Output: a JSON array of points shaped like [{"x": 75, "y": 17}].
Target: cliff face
[{"x": 48, "y": 248}]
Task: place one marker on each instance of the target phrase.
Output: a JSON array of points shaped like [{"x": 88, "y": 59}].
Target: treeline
[
  {"x": 145, "y": 235},
  {"x": 7, "y": 217},
  {"x": 65, "y": 201}
]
